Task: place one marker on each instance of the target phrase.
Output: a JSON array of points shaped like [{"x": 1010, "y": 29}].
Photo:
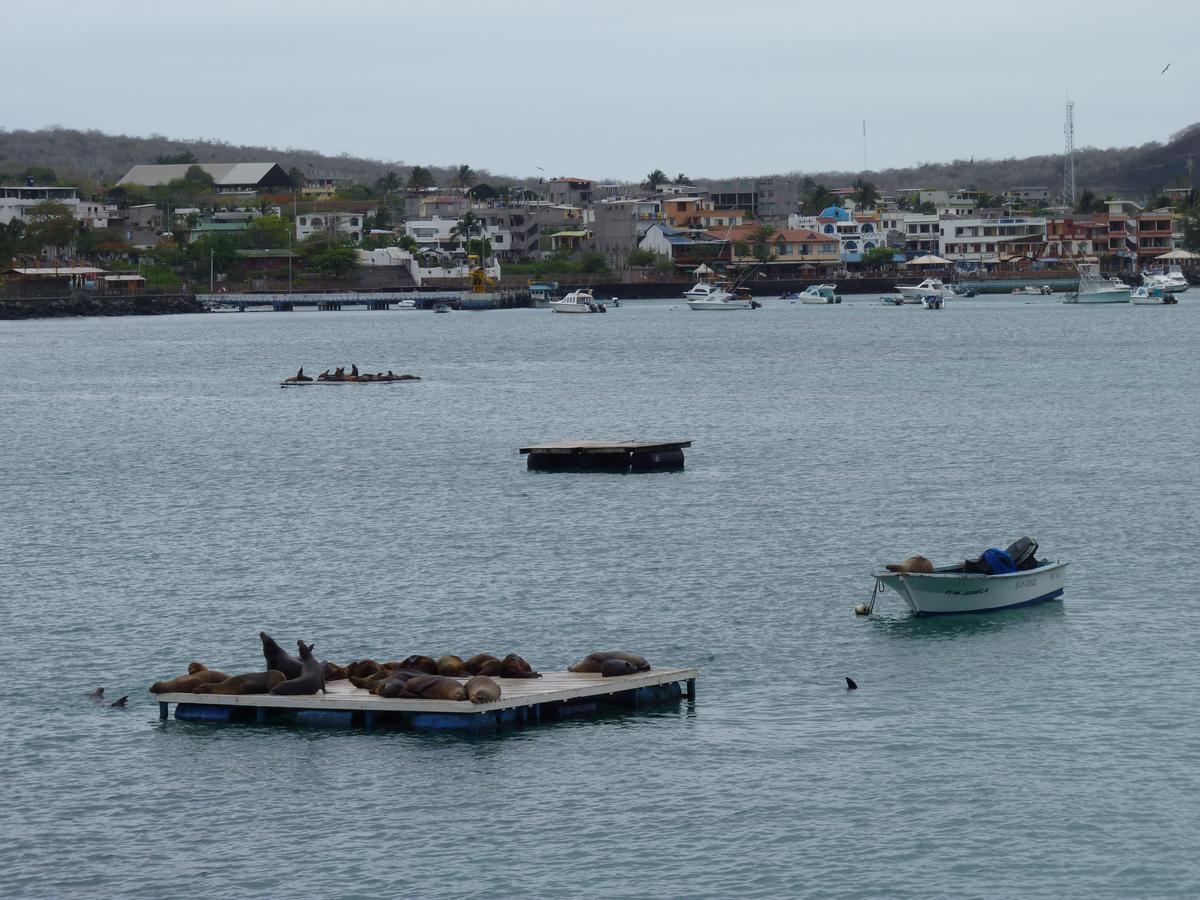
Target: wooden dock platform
[
  {"x": 523, "y": 701},
  {"x": 630, "y": 456}
]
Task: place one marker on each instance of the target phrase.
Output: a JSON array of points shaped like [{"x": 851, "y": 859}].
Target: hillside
[{"x": 92, "y": 157}]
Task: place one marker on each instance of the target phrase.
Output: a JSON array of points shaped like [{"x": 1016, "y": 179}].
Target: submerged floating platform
[
  {"x": 629, "y": 456},
  {"x": 523, "y": 701}
]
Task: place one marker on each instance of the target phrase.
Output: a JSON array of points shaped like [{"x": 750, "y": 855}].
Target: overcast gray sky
[{"x": 612, "y": 88}]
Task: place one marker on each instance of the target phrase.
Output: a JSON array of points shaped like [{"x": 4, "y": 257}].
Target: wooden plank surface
[
  {"x": 603, "y": 446},
  {"x": 514, "y": 692}
]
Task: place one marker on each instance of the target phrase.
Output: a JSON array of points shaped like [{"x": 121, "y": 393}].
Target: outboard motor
[{"x": 1023, "y": 552}]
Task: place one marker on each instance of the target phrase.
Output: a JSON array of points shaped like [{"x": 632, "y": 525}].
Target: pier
[
  {"x": 628, "y": 456},
  {"x": 523, "y": 701},
  {"x": 371, "y": 300}
]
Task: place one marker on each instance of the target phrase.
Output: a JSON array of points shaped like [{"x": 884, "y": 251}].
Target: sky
[{"x": 612, "y": 88}]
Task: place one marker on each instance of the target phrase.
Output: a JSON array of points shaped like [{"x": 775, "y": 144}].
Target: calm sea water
[{"x": 163, "y": 500}]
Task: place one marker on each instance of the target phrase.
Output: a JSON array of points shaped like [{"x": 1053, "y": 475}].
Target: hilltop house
[{"x": 229, "y": 178}]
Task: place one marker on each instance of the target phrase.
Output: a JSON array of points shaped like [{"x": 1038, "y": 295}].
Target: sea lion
[
  {"x": 194, "y": 667},
  {"x": 187, "y": 684},
  {"x": 278, "y": 658},
  {"x": 297, "y": 378},
  {"x": 512, "y": 666},
  {"x": 612, "y": 668},
  {"x": 915, "y": 564},
  {"x": 426, "y": 664},
  {"x": 246, "y": 683},
  {"x": 851, "y": 685},
  {"x": 362, "y": 668},
  {"x": 482, "y": 664},
  {"x": 97, "y": 696},
  {"x": 394, "y": 683},
  {"x": 451, "y": 666},
  {"x": 324, "y": 376},
  {"x": 593, "y": 661},
  {"x": 120, "y": 702},
  {"x": 334, "y": 672},
  {"x": 353, "y": 370},
  {"x": 482, "y": 689},
  {"x": 433, "y": 687},
  {"x": 311, "y": 678}
]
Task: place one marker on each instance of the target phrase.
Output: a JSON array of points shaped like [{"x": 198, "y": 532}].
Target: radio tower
[{"x": 1069, "y": 158}]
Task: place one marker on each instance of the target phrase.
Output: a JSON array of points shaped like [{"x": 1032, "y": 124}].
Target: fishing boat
[
  {"x": 912, "y": 293},
  {"x": 1147, "y": 296},
  {"x": 702, "y": 290},
  {"x": 820, "y": 293},
  {"x": 724, "y": 297},
  {"x": 578, "y": 301},
  {"x": 1094, "y": 288},
  {"x": 541, "y": 293},
  {"x": 953, "y": 589}
]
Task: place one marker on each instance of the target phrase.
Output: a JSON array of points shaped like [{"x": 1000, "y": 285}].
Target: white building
[
  {"x": 988, "y": 240},
  {"x": 440, "y": 233},
  {"x": 16, "y": 201},
  {"x": 855, "y": 234},
  {"x": 343, "y": 220}
]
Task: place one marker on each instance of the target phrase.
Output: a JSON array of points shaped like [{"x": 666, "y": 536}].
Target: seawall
[{"x": 90, "y": 305}]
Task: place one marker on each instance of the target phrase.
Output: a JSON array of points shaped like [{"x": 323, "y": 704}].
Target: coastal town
[{"x": 187, "y": 227}]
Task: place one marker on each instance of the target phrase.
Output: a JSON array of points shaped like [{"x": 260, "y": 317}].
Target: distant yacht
[
  {"x": 1094, "y": 288},
  {"x": 913, "y": 293},
  {"x": 1173, "y": 282}
]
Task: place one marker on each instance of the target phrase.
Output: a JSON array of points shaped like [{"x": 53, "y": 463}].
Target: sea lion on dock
[
  {"x": 324, "y": 376},
  {"x": 433, "y": 687},
  {"x": 278, "y": 658},
  {"x": 394, "y": 683},
  {"x": 451, "y": 666},
  {"x": 187, "y": 684},
  {"x": 918, "y": 565},
  {"x": 361, "y": 668},
  {"x": 482, "y": 664},
  {"x": 594, "y": 661},
  {"x": 334, "y": 672},
  {"x": 426, "y": 664},
  {"x": 297, "y": 378},
  {"x": 513, "y": 666},
  {"x": 311, "y": 678},
  {"x": 246, "y": 683},
  {"x": 615, "y": 667},
  {"x": 482, "y": 689}
]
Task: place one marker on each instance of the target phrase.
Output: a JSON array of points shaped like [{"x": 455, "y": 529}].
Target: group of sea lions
[
  {"x": 340, "y": 374},
  {"x": 611, "y": 663}
]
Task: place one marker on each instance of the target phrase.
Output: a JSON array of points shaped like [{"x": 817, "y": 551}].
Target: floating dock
[
  {"x": 627, "y": 456},
  {"x": 523, "y": 701}
]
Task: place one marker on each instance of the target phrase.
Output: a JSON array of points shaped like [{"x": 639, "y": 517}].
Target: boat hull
[
  {"x": 1100, "y": 297},
  {"x": 947, "y": 593},
  {"x": 706, "y": 305},
  {"x": 571, "y": 308}
]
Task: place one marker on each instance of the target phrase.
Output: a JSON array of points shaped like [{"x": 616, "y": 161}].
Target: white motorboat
[
  {"x": 578, "y": 301},
  {"x": 933, "y": 301},
  {"x": 1173, "y": 282},
  {"x": 724, "y": 297},
  {"x": 820, "y": 293},
  {"x": 441, "y": 307},
  {"x": 1147, "y": 296},
  {"x": 912, "y": 293},
  {"x": 1033, "y": 290},
  {"x": 406, "y": 304},
  {"x": 702, "y": 290},
  {"x": 953, "y": 589},
  {"x": 1094, "y": 288}
]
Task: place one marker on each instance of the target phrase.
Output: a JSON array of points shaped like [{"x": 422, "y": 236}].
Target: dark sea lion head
[
  {"x": 305, "y": 649},
  {"x": 482, "y": 689},
  {"x": 269, "y": 644},
  {"x": 614, "y": 667},
  {"x": 194, "y": 667},
  {"x": 334, "y": 672},
  {"x": 97, "y": 693}
]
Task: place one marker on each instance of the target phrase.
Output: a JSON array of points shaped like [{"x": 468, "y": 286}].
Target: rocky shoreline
[{"x": 91, "y": 305}]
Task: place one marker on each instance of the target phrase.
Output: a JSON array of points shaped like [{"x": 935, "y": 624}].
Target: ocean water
[{"x": 163, "y": 500}]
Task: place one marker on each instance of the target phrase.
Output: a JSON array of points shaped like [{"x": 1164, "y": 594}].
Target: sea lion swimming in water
[
  {"x": 97, "y": 696},
  {"x": 916, "y": 564},
  {"x": 120, "y": 702},
  {"x": 246, "y": 683},
  {"x": 594, "y": 661},
  {"x": 433, "y": 687},
  {"x": 310, "y": 680},
  {"x": 278, "y": 658},
  {"x": 482, "y": 689}
]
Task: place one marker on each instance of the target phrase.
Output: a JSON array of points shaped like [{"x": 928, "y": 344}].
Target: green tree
[
  {"x": 592, "y": 262},
  {"x": 816, "y": 197},
  {"x": 296, "y": 178},
  {"x": 481, "y": 247},
  {"x": 866, "y": 195},
  {"x": 175, "y": 159},
  {"x": 12, "y": 239},
  {"x": 682, "y": 179},
  {"x": 640, "y": 258},
  {"x": 407, "y": 242},
  {"x": 467, "y": 227},
  {"x": 483, "y": 192},
  {"x": 336, "y": 261},
  {"x": 40, "y": 175},
  {"x": 420, "y": 179},
  {"x": 464, "y": 178},
  {"x": 878, "y": 257},
  {"x": 268, "y": 233},
  {"x": 51, "y": 226},
  {"x": 1191, "y": 232},
  {"x": 760, "y": 242},
  {"x": 389, "y": 183},
  {"x": 1089, "y": 203},
  {"x": 655, "y": 178},
  {"x": 215, "y": 252}
]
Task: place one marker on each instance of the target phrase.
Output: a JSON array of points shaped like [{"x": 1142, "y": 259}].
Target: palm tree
[
  {"x": 420, "y": 179},
  {"x": 464, "y": 177},
  {"x": 389, "y": 182},
  {"x": 865, "y": 194},
  {"x": 655, "y": 178},
  {"x": 467, "y": 227},
  {"x": 760, "y": 240},
  {"x": 817, "y": 197},
  {"x": 682, "y": 179}
]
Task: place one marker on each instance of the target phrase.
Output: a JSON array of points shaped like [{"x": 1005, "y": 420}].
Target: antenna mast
[
  {"x": 864, "y": 146},
  {"x": 1069, "y": 157}
]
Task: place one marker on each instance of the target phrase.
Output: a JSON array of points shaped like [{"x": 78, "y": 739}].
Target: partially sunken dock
[
  {"x": 523, "y": 701},
  {"x": 629, "y": 456}
]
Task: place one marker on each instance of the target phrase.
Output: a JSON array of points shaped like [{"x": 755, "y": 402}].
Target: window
[
  {"x": 354, "y": 222},
  {"x": 303, "y": 220}
]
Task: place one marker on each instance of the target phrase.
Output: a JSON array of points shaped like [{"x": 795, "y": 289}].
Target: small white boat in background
[
  {"x": 724, "y": 297},
  {"x": 1031, "y": 289},
  {"x": 1173, "y": 282},
  {"x": 541, "y": 293},
  {"x": 701, "y": 290},
  {"x": 819, "y": 293},
  {"x": 952, "y": 589},
  {"x": 912, "y": 293},
  {"x": 406, "y": 304},
  {"x": 579, "y": 301},
  {"x": 441, "y": 307},
  {"x": 933, "y": 301},
  {"x": 1094, "y": 288},
  {"x": 1146, "y": 296}
]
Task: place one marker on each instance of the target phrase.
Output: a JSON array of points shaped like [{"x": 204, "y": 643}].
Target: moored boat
[
  {"x": 578, "y": 301},
  {"x": 724, "y": 297},
  {"x": 820, "y": 293},
  {"x": 1001, "y": 582},
  {"x": 933, "y": 301},
  {"x": 1173, "y": 281},
  {"x": 1147, "y": 296},
  {"x": 912, "y": 293},
  {"x": 1094, "y": 288}
]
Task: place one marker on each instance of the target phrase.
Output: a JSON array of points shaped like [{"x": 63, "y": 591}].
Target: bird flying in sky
[{"x": 1164, "y": 71}]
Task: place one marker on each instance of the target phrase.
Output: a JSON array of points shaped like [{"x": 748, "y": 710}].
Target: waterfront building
[
  {"x": 439, "y": 233},
  {"x": 989, "y": 240},
  {"x": 344, "y": 218},
  {"x": 793, "y": 251},
  {"x": 855, "y": 234},
  {"x": 685, "y": 249},
  {"x": 768, "y": 199},
  {"x": 17, "y": 200},
  {"x": 1027, "y": 197},
  {"x": 619, "y": 225}
]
